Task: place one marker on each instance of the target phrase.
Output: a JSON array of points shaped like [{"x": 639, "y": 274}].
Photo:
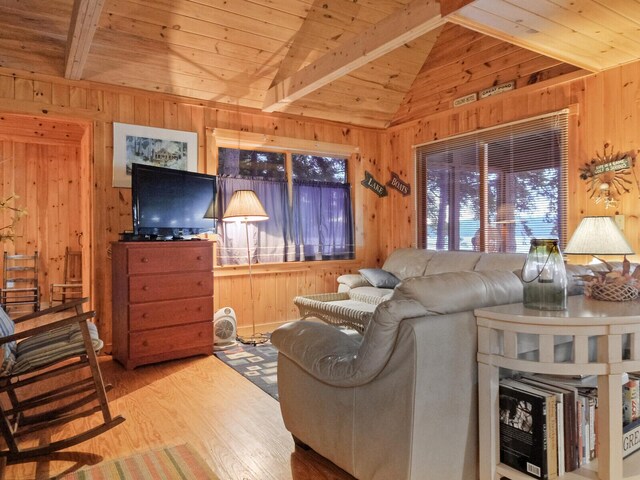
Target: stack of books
[
  {"x": 631, "y": 416},
  {"x": 547, "y": 424}
]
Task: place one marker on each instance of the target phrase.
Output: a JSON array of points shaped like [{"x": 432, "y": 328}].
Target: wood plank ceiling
[{"x": 367, "y": 62}]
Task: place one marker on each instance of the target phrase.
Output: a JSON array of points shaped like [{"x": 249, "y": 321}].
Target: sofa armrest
[{"x": 342, "y": 360}]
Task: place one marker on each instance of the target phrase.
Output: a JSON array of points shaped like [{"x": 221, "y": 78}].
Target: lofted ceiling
[{"x": 365, "y": 62}]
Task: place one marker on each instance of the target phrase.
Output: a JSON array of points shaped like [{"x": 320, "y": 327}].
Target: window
[
  {"x": 234, "y": 162},
  {"x": 313, "y": 168},
  {"x": 304, "y": 189},
  {"x": 495, "y": 189}
]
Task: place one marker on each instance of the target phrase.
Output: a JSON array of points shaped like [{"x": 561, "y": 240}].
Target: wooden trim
[
  {"x": 413, "y": 21},
  {"x": 284, "y": 267},
  {"x": 247, "y": 140},
  {"x": 84, "y": 22}
]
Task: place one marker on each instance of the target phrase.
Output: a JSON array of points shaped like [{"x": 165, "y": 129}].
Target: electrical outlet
[{"x": 619, "y": 219}]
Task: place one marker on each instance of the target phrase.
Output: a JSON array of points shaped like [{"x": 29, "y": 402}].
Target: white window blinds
[{"x": 494, "y": 189}]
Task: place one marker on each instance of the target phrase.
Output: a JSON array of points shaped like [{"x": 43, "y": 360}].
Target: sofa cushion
[
  {"x": 442, "y": 262},
  {"x": 46, "y": 348},
  {"x": 408, "y": 262},
  {"x": 453, "y": 292},
  {"x": 501, "y": 261},
  {"x": 379, "y": 277},
  {"x": 371, "y": 295},
  {"x": 7, "y": 350}
]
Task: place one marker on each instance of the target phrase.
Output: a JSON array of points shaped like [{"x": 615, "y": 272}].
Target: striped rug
[{"x": 171, "y": 463}]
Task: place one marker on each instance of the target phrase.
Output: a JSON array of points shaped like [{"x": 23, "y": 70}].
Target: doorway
[{"x": 45, "y": 169}]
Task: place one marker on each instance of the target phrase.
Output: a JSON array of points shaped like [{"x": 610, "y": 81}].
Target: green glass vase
[{"x": 544, "y": 276}]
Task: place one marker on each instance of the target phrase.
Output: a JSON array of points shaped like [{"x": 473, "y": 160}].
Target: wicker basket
[{"x": 613, "y": 292}]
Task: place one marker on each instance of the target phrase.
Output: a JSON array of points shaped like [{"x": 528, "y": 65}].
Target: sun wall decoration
[{"x": 609, "y": 175}]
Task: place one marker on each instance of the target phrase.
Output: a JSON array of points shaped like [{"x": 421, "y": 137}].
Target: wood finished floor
[{"x": 235, "y": 426}]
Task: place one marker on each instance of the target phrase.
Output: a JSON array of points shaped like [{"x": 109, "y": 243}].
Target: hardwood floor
[{"x": 235, "y": 426}]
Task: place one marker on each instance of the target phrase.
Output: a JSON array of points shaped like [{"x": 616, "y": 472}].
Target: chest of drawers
[{"x": 162, "y": 301}]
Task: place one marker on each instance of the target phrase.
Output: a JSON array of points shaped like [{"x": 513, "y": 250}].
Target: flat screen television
[{"x": 170, "y": 203}]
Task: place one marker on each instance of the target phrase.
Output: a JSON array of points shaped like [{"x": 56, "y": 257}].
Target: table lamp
[
  {"x": 245, "y": 207},
  {"x": 597, "y": 236}
]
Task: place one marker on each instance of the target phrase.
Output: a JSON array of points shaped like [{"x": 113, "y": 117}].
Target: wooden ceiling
[{"x": 366, "y": 62}]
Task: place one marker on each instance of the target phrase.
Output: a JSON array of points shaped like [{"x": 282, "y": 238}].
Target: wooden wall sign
[
  {"x": 397, "y": 184},
  {"x": 472, "y": 97},
  {"x": 497, "y": 89},
  {"x": 372, "y": 184}
]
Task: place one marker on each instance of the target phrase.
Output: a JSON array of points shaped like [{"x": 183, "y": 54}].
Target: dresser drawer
[
  {"x": 153, "y": 288},
  {"x": 143, "y": 316},
  {"x": 163, "y": 259},
  {"x": 163, "y": 341}
]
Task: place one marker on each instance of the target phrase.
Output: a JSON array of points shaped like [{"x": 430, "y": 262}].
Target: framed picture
[{"x": 159, "y": 147}]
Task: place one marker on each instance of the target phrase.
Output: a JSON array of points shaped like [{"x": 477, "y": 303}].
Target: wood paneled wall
[
  {"x": 110, "y": 208},
  {"x": 605, "y": 108},
  {"x": 46, "y": 179}
]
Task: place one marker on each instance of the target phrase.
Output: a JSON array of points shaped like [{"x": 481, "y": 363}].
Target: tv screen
[{"x": 172, "y": 203}]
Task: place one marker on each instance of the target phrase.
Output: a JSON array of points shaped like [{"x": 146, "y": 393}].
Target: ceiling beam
[
  {"x": 84, "y": 22},
  {"x": 413, "y": 21}
]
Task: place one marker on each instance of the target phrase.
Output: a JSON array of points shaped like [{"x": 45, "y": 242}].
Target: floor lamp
[{"x": 245, "y": 207}]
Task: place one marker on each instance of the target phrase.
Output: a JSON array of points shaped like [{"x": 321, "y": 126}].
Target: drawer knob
[
  {"x": 200, "y": 283},
  {"x": 145, "y": 343},
  {"x": 144, "y": 260},
  {"x": 145, "y": 315},
  {"x": 145, "y": 288},
  {"x": 199, "y": 257},
  {"x": 199, "y": 309}
]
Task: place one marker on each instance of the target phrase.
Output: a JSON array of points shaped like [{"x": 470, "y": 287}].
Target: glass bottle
[{"x": 544, "y": 276}]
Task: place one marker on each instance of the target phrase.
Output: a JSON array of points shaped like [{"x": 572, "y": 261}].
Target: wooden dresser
[{"x": 162, "y": 301}]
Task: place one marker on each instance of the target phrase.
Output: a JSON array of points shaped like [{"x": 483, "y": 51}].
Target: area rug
[
  {"x": 180, "y": 462},
  {"x": 257, "y": 364}
]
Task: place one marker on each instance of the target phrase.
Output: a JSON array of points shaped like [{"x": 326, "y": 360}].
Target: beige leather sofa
[
  {"x": 401, "y": 401},
  {"x": 357, "y": 298},
  {"x": 412, "y": 262}
]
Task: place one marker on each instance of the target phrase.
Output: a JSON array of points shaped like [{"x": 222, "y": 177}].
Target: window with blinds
[{"x": 494, "y": 189}]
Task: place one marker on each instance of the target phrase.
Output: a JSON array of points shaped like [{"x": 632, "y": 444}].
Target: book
[
  {"x": 630, "y": 400},
  {"x": 561, "y": 407},
  {"x": 570, "y": 394},
  {"x": 630, "y": 438},
  {"x": 528, "y": 441}
]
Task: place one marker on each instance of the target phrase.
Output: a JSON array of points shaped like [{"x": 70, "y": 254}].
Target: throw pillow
[{"x": 379, "y": 278}]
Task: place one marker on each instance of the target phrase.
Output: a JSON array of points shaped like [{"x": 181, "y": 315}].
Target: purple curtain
[
  {"x": 323, "y": 221},
  {"x": 271, "y": 240}
]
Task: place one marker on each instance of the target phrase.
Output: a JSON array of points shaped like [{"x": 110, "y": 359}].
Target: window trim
[
  {"x": 258, "y": 141},
  {"x": 221, "y": 137},
  {"x": 571, "y": 112}
]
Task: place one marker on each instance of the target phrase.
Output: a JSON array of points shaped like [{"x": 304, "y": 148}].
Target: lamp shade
[
  {"x": 598, "y": 236},
  {"x": 244, "y": 206}
]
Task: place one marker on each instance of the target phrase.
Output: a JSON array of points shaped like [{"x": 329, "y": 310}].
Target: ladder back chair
[
  {"x": 71, "y": 288},
  {"x": 41, "y": 380},
  {"x": 20, "y": 289}
]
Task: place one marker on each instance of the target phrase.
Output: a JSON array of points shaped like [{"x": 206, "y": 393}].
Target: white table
[{"x": 498, "y": 329}]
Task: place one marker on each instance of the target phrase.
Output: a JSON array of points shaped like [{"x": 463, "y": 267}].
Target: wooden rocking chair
[
  {"x": 34, "y": 378},
  {"x": 20, "y": 290}
]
